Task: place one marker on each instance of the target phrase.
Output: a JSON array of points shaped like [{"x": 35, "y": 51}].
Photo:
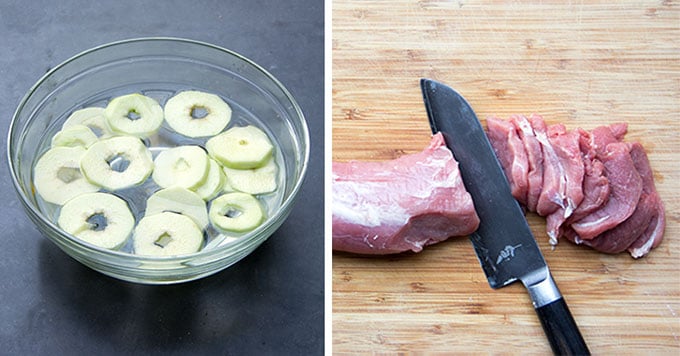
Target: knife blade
[{"x": 504, "y": 244}]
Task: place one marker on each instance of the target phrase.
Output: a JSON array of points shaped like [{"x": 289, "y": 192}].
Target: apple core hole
[
  {"x": 182, "y": 164},
  {"x": 233, "y": 213},
  {"x": 68, "y": 174},
  {"x": 199, "y": 112},
  {"x": 133, "y": 115},
  {"x": 163, "y": 240},
  {"x": 97, "y": 221},
  {"x": 118, "y": 163},
  {"x": 97, "y": 131}
]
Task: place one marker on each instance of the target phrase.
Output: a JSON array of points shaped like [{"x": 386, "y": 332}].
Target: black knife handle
[{"x": 561, "y": 329}]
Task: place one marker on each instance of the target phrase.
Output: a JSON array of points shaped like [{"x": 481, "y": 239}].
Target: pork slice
[
  {"x": 534, "y": 159},
  {"x": 567, "y": 148},
  {"x": 400, "y": 205},
  {"x": 625, "y": 186},
  {"x": 595, "y": 182},
  {"x": 643, "y": 229},
  {"x": 602, "y": 136},
  {"x": 554, "y": 179},
  {"x": 622, "y": 236},
  {"x": 618, "y": 130},
  {"x": 511, "y": 154},
  {"x": 595, "y": 189},
  {"x": 653, "y": 235}
]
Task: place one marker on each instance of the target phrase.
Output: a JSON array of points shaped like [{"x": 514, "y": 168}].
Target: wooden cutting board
[{"x": 583, "y": 64}]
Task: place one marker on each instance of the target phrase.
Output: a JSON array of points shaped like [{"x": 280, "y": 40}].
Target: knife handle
[{"x": 561, "y": 329}]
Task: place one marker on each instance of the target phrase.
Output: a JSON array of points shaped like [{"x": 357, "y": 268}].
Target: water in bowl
[{"x": 167, "y": 138}]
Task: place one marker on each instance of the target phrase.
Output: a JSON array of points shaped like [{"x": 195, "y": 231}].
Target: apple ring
[
  {"x": 118, "y": 162},
  {"x": 197, "y": 114},
  {"x": 166, "y": 234},
  {"x": 101, "y": 219},
  {"x": 236, "y": 212},
  {"x": 134, "y": 114},
  {"x": 57, "y": 175}
]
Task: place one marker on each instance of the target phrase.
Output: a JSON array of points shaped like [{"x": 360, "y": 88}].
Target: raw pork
[
  {"x": 510, "y": 151},
  {"x": 400, "y": 205},
  {"x": 534, "y": 159},
  {"x": 596, "y": 190}
]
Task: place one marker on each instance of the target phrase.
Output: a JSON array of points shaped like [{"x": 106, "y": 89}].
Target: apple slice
[
  {"x": 101, "y": 219},
  {"x": 213, "y": 183},
  {"x": 253, "y": 181},
  {"x": 197, "y": 114},
  {"x": 236, "y": 212},
  {"x": 166, "y": 234},
  {"x": 117, "y": 162},
  {"x": 182, "y": 166},
  {"x": 242, "y": 147},
  {"x": 74, "y": 135},
  {"x": 178, "y": 200},
  {"x": 92, "y": 117},
  {"x": 57, "y": 176},
  {"x": 134, "y": 114}
]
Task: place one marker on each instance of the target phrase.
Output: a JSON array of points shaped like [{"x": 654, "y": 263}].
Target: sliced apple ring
[
  {"x": 101, "y": 219},
  {"x": 197, "y": 114},
  {"x": 236, "y": 212},
  {"x": 166, "y": 234},
  {"x": 117, "y": 162},
  {"x": 241, "y": 147},
  {"x": 213, "y": 183},
  {"x": 57, "y": 176},
  {"x": 134, "y": 114},
  {"x": 182, "y": 166},
  {"x": 74, "y": 135},
  {"x": 92, "y": 117},
  {"x": 253, "y": 181},
  {"x": 178, "y": 200}
]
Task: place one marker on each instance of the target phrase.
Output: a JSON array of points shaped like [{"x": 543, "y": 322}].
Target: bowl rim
[{"x": 283, "y": 208}]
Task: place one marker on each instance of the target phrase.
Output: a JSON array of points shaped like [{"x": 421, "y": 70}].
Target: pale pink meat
[
  {"x": 595, "y": 182},
  {"x": 510, "y": 150},
  {"x": 643, "y": 229},
  {"x": 400, "y": 205},
  {"x": 534, "y": 159},
  {"x": 596, "y": 190},
  {"x": 653, "y": 235},
  {"x": 566, "y": 146},
  {"x": 625, "y": 188},
  {"x": 554, "y": 179}
]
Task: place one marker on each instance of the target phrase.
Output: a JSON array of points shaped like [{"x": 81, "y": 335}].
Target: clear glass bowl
[{"x": 158, "y": 67}]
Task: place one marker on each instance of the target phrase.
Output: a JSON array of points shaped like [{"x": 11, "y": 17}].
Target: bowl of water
[{"x": 159, "y": 68}]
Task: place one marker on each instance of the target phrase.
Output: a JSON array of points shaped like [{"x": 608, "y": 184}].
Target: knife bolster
[{"x": 543, "y": 291}]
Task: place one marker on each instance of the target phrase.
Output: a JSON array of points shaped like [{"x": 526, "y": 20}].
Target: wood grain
[{"x": 583, "y": 63}]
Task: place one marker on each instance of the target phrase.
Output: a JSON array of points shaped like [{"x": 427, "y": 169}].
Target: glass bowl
[{"x": 158, "y": 67}]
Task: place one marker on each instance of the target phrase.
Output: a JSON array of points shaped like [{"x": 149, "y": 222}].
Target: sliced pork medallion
[
  {"x": 567, "y": 148},
  {"x": 653, "y": 235},
  {"x": 400, "y": 205},
  {"x": 644, "y": 229},
  {"x": 596, "y": 190},
  {"x": 534, "y": 159},
  {"x": 553, "y": 193},
  {"x": 625, "y": 187},
  {"x": 512, "y": 155},
  {"x": 595, "y": 182}
]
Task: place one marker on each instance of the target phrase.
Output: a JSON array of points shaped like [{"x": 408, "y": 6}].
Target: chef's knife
[{"x": 503, "y": 242}]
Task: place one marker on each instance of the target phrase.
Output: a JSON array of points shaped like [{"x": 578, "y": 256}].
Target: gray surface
[{"x": 269, "y": 303}]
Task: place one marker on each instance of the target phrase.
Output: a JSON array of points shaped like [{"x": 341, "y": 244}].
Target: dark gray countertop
[{"x": 269, "y": 303}]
